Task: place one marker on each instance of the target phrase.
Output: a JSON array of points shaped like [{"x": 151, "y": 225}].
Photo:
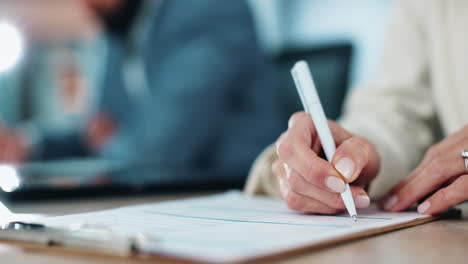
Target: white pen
[{"x": 311, "y": 102}]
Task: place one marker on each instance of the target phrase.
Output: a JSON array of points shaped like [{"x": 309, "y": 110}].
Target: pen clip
[{"x": 297, "y": 81}]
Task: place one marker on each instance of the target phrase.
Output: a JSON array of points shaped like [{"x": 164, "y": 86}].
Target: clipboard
[{"x": 134, "y": 253}]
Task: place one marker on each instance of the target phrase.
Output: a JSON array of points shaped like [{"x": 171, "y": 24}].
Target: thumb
[{"x": 356, "y": 157}]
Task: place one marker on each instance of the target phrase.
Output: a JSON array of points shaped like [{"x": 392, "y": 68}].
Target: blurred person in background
[
  {"x": 184, "y": 84},
  {"x": 403, "y": 137}
]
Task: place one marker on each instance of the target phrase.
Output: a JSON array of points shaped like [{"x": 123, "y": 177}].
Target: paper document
[{"x": 231, "y": 226}]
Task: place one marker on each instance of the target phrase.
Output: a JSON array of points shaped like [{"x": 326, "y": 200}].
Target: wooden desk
[{"x": 437, "y": 242}]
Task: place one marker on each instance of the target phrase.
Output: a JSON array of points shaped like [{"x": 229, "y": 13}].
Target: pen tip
[{"x": 354, "y": 217}]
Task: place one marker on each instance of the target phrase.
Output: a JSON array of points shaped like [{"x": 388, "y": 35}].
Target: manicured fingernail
[
  {"x": 362, "y": 201},
  {"x": 422, "y": 208},
  {"x": 390, "y": 202},
  {"x": 346, "y": 167},
  {"x": 335, "y": 183}
]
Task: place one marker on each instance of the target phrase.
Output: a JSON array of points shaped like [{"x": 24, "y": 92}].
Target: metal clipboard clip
[{"x": 82, "y": 236}]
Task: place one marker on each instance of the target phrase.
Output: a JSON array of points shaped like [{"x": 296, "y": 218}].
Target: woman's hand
[
  {"x": 441, "y": 175},
  {"x": 309, "y": 183}
]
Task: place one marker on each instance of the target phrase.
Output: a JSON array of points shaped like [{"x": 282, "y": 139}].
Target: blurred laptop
[{"x": 95, "y": 177}]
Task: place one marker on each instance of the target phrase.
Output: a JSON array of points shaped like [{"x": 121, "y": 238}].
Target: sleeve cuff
[{"x": 261, "y": 180}]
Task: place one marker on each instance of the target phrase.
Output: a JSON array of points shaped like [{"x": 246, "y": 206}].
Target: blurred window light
[
  {"x": 11, "y": 46},
  {"x": 9, "y": 179}
]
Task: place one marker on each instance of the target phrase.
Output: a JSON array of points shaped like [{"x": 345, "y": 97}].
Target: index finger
[{"x": 294, "y": 149}]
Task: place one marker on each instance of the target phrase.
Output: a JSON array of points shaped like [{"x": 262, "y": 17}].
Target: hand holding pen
[{"x": 309, "y": 183}]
